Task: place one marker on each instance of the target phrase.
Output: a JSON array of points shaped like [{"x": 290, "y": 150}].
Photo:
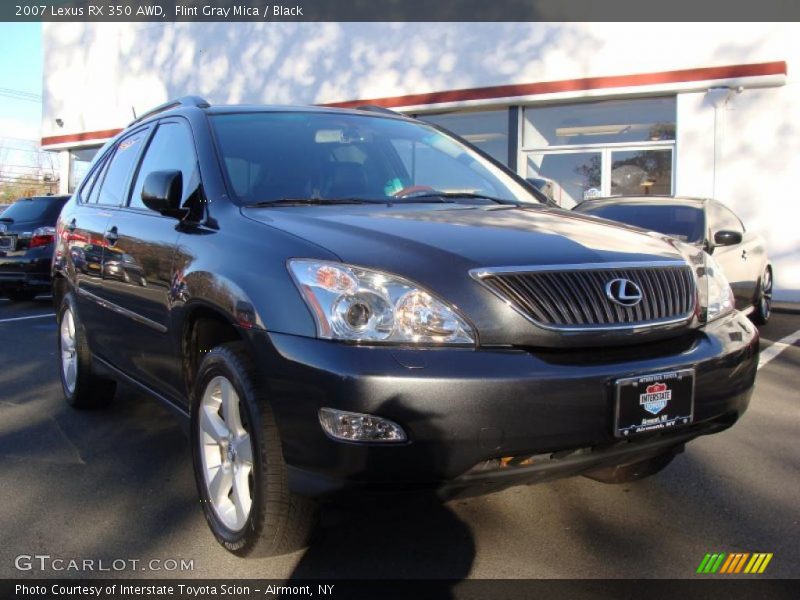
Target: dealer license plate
[{"x": 653, "y": 403}]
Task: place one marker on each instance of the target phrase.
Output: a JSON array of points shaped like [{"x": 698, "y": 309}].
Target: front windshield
[{"x": 273, "y": 156}]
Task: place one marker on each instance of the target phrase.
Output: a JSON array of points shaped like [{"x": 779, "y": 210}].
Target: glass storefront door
[
  {"x": 582, "y": 174},
  {"x": 574, "y": 176}
]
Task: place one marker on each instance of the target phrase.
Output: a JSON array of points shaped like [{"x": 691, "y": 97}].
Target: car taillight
[{"x": 42, "y": 237}]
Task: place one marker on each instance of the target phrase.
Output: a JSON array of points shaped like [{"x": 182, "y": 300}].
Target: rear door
[
  {"x": 139, "y": 264},
  {"x": 82, "y": 225},
  {"x": 735, "y": 260},
  {"x": 88, "y": 230}
]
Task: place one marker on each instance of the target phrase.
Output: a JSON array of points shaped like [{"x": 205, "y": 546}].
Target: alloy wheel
[
  {"x": 69, "y": 356},
  {"x": 227, "y": 453},
  {"x": 766, "y": 293}
]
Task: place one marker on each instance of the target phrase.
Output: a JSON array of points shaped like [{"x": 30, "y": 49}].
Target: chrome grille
[{"x": 574, "y": 296}]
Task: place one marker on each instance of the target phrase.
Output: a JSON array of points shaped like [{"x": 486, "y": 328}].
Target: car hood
[
  {"x": 436, "y": 245},
  {"x": 384, "y": 236}
]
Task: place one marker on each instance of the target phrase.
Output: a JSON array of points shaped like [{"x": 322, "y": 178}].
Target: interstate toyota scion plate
[{"x": 653, "y": 403}]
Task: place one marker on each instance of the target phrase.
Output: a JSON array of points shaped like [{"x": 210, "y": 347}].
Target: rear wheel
[
  {"x": 21, "y": 295},
  {"x": 82, "y": 387},
  {"x": 633, "y": 471},
  {"x": 763, "y": 308},
  {"x": 238, "y": 461}
]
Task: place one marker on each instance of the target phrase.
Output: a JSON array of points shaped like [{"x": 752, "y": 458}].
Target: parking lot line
[
  {"x": 782, "y": 344},
  {"x": 28, "y": 317}
]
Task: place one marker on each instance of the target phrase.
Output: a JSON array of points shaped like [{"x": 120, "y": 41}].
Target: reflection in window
[
  {"x": 487, "y": 130},
  {"x": 575, "y": 176},
  {"x": 171, "y": 148},
  {"x": 641, "y": 173},
  {"x": 613, "y": 121},
  {"x": 119, "y": 169}
]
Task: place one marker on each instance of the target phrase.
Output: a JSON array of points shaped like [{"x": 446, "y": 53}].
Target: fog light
[{"x": 358, "y": 427}]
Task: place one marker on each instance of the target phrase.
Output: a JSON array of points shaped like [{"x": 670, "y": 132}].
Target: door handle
[
  {"x": 744, "y": 254},
  {"x": 112, "y": 235},
  {"x": 71, "y": 226}
]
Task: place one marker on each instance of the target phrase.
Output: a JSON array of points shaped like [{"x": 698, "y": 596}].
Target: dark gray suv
[{"x": 339, "y": 300}]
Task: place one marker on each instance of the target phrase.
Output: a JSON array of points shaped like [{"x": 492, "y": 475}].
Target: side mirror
[
  {"x": 162, "y": 191},
  {"x": 727, "y": 238}
]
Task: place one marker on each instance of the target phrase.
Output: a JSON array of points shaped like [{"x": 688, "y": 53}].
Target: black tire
[
  {"x": 279, "y": 521},
  {"x": 89, "y": 389},
  {"x": 21, "y": 295},
  {"x": 633, "y": 471},
  {"x": 763, "y": 305}
]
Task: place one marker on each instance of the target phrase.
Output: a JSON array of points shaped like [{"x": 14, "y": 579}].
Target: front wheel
[
  {"x": 238, "y": 461},
  {"x": 763, "y": 308}
]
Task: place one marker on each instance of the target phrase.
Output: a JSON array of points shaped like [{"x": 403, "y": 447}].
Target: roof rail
[
  {"x": 182, "y": 101},
  {"x": 379, "y": 109}
]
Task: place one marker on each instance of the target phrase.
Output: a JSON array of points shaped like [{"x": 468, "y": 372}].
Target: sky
[{"x": 20, "y": 70}]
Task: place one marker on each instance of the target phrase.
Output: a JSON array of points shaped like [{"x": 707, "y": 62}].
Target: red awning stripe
[{"x": 573, "y": 85}]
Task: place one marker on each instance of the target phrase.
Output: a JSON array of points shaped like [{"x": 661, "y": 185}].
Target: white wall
[{"x": 95, "y": 73}]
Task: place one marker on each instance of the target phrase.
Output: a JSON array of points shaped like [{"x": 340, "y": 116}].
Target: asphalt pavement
[{"x": 117, "y": 484}]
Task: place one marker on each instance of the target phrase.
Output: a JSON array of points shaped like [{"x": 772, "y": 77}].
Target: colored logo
[
  {"x": 735, "y": 563},
  {"x": 655, "y": 398}
]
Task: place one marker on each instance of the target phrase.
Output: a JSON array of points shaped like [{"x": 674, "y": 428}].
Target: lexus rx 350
[{"x": 339, "y": 300}]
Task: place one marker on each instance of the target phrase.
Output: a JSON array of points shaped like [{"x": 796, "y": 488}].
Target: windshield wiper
[
  {"x": 312, "y": 202},
  {"x": 445, "y": 196}
]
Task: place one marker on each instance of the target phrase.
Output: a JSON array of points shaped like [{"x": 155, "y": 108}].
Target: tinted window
[
  {"x": 92, "y": 188},
  {"x": 42, "y": 209},
  {"x": 88, "y": 183},
  {"x": 171, "y": 148},
  {"x": 725, "y": 220},
  {"x": 683, "y": 222},
  {"x": 270, "y": 156},
  {"x": 114, "y": 184}
]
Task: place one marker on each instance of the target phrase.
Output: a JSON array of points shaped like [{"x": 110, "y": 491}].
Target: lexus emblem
[{"x": 623, "y": 292}]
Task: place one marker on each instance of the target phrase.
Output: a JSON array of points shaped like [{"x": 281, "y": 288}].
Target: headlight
[
  {"x": 714, "y": 291},
  {"x": 361, "y": 305}
]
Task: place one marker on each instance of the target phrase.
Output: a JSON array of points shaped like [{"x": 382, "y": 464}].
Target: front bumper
[{"x": 463, "y": 407}]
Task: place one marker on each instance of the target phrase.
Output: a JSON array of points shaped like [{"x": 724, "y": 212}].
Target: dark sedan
[
  {"x": 27, "y": 233},
  {"x": 707, "y": 224}
]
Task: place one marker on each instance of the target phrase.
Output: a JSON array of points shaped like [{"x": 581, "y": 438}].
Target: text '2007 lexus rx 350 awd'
[{"x": 339, "y": 300}]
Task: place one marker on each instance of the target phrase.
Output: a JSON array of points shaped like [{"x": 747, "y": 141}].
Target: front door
[{"x": 138, "y": 268}]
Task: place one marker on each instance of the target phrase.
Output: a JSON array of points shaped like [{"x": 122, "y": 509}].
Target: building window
[
  {"x": 487, "y": 130},
  {"x": 609, "y": 148},
  {"x": 79, "y": 161}
]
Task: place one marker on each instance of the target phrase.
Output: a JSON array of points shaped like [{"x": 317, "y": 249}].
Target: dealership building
[{"x": 709, "y": 110}]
